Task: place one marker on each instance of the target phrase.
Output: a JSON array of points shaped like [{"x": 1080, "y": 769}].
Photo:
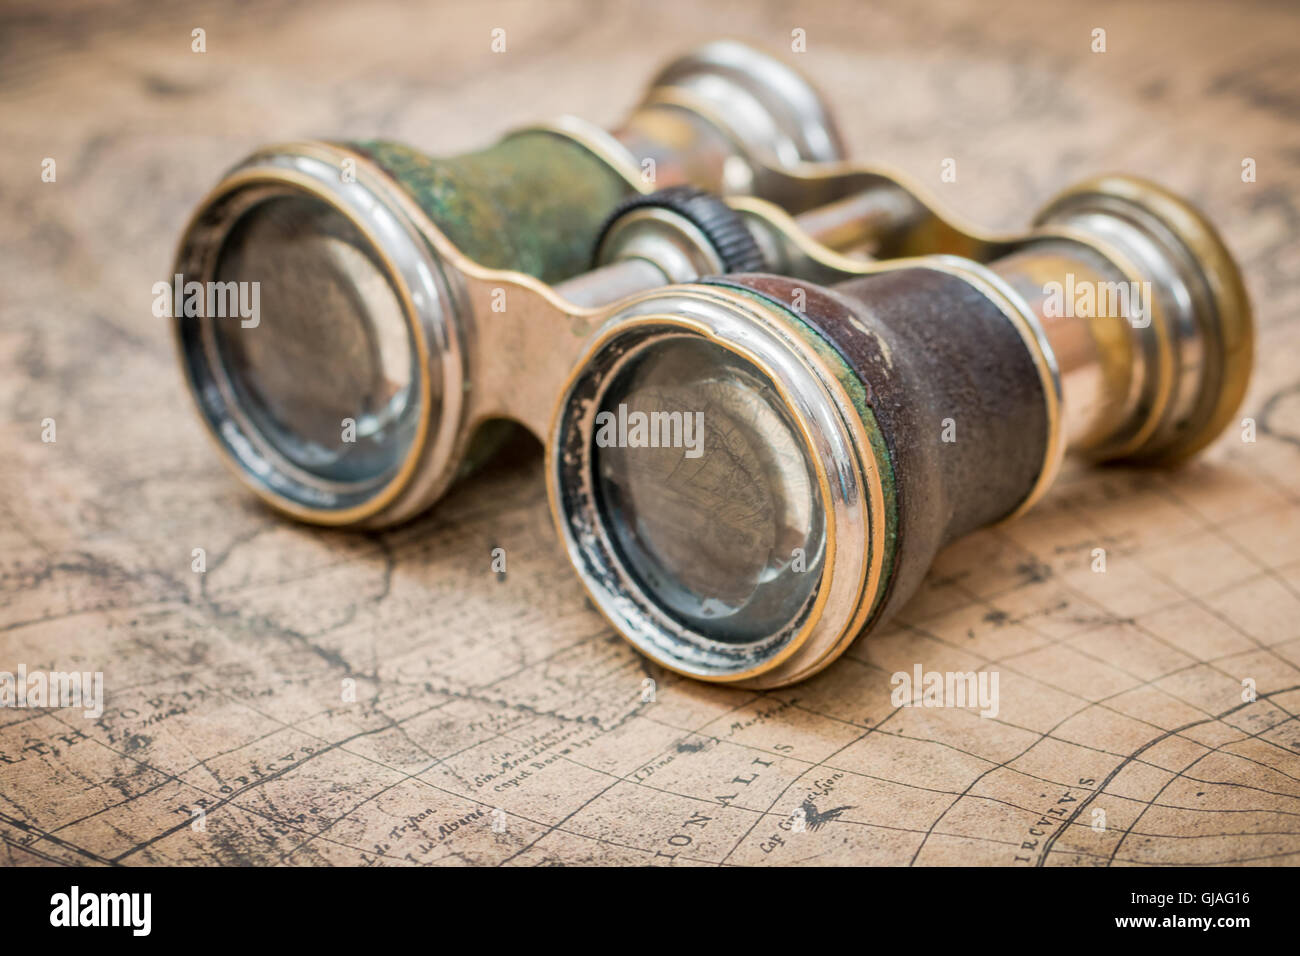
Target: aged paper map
[{"x": 497, "y": 719}]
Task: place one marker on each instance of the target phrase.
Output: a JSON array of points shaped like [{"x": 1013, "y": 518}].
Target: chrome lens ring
[
  {"x": 1202, "y": 295},
  {"x": 759, "y": 338},
  {"x": 422, "y": 451},
  {"x": 768, "y": 104}
]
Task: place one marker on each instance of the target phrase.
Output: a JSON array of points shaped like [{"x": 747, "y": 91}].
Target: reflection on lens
[
  {"x": 723, "y": 527},
  {"x": 331, "y": 346}
]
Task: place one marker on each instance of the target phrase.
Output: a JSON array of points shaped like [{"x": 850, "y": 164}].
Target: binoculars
[{"x": 771, "y": 384}]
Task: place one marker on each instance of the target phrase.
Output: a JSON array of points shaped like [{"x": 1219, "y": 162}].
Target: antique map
[{"x": 318, "y": 697}]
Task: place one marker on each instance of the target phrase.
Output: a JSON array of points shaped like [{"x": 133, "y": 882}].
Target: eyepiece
[
  {"x": 744, "y": 551},
  {"x": 766, "y": 102},
  {"x": 1200, "y": 296},
  {"x": 324, "y": 394}
]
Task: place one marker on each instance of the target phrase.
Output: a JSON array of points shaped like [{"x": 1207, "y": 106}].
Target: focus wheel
[{"x": 720, "y": 224}]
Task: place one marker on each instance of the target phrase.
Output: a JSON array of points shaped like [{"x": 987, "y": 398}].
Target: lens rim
[
  {"x": 851, "y": 492},
  {"x": 765, "y": 103},
  {"x": 1208, "y": 330},
  {"x": 414, "y": 273}
]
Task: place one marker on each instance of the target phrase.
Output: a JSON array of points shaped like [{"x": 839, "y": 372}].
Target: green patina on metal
[
  {"x": 858, "y": 395},
  {"x": 533, "y": 203}
]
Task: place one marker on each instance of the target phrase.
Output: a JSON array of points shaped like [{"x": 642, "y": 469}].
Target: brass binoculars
[{"x": 771, "y": 383}]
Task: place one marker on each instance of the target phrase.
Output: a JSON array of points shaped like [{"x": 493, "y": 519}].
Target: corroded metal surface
[{"x": 533, "y": 202}]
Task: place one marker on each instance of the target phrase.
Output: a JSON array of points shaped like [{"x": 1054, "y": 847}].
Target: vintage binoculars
[{"x": 763, "y": 414}]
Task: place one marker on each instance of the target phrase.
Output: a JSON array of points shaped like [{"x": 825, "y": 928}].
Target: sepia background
[{"x": 1121, "y": 692}]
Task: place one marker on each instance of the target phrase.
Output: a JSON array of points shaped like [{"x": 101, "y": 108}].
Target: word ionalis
[
  {"x": 53, "y": 689},
  {"x": 946, "y": 689},
  {"x": 651, "y": 430},
  {"x": 102, "y": 909},
  {"x": 208, "y": 300}
]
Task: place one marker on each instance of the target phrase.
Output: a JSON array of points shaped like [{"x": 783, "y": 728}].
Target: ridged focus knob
[{"x": 721, "y": 225}]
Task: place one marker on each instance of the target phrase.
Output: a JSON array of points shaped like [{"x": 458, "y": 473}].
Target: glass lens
[
  {"x": 326, "y": 374},
  {"x": 706, "y": 488}
]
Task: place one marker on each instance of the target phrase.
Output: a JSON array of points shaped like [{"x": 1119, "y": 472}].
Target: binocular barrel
[
  {"x": 1157, "y": 386},
  {"x": 846, "y": 432}
]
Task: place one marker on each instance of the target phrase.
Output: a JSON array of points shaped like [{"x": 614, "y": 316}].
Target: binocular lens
[
  {"x": 705, "y": 488},
  {"x": 326, "y": 379}
]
